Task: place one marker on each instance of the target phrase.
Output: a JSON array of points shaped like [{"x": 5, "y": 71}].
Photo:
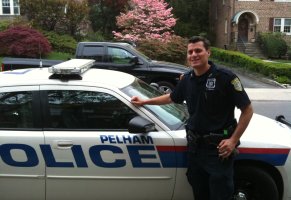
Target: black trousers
[{"x": 211, "y": 177}]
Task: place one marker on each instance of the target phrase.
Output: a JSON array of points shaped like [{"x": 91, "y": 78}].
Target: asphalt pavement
[{"x": 268, "y": 97}]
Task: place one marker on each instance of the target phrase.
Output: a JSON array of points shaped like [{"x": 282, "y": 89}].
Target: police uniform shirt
[{"x": 211, "y": 98}]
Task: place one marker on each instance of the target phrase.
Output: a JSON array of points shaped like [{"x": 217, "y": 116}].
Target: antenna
[{"x": 40, "y": 60}]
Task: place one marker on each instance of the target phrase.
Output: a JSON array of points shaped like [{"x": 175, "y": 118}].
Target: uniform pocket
[{"x": 214, "y": 101}]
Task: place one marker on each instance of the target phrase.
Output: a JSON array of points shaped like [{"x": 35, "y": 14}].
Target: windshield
[{"x": 173, "y": 115}]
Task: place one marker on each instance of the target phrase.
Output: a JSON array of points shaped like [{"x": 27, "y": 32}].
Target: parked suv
[{"x": 114, "y": 56}]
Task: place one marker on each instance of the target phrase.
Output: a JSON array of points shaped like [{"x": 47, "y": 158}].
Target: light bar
[{"x": 72, "y": 67}]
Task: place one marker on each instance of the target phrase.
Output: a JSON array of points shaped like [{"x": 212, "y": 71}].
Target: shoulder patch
[{"x": 237, "y": 84}]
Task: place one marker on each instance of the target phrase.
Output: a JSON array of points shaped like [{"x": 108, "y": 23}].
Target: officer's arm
[
  {"x": 160, "y": 100},
  {"x": 244, "y": 119}
]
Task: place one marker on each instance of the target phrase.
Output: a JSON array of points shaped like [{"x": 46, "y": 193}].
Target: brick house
[
  {"x": 231, "y": 21},
  {"x": 240, "y": 21}
]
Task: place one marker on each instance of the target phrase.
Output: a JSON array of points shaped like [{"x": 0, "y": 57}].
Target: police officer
[{"x": 213, "y": 134}]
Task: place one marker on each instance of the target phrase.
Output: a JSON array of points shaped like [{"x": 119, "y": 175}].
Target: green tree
[
  {"x": 44, "y": 14},
  {"x": 76, "y": 17},
  {"x": 103, "y": 14},
  {"x": 193, "y": 17},
  {"x": 55, "y": 15}
]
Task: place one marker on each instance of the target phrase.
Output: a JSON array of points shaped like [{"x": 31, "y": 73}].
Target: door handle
[{"x": 63, "y": 144}]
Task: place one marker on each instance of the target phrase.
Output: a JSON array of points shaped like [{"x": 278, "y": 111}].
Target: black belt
[{"x": 195, "y": 138}]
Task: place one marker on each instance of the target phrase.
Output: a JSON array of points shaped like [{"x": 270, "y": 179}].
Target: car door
[
  {"x": 22, "y": 168},
  {"x": 91, "y": 155}
]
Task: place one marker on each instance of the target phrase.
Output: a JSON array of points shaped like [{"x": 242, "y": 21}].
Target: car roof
[
  {"x": 40, "y": 76},
  {"x": 107, "y": 43}
]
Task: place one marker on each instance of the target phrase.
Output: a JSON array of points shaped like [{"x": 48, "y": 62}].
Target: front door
[
  {"x": 243, "y": 27},
  {"x": 91, "y": 155}
]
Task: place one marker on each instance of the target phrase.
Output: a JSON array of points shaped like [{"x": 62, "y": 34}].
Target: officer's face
[{"x": 197, "y": 56}]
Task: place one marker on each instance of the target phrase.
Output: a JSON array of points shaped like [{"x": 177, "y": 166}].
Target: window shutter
[{"x": 271, "y": 24}]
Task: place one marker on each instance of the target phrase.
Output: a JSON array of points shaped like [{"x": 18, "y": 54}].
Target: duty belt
[
  {"x": 211, "y": 138},
  {"x": 195, "y": 139}
]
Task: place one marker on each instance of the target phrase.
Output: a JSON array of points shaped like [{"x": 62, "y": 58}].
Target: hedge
[{"x": 281, "y": 72}]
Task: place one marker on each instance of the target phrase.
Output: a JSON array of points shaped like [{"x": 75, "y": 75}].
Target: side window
[
  {"x": 93, "y": 52},
  {"x": 87, "y": 110},
  {"x": 119, "y": 56},
  {"x": 16, "y": 110}
]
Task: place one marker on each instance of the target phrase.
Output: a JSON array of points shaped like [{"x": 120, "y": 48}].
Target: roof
[{"x": 39, "y": 76}]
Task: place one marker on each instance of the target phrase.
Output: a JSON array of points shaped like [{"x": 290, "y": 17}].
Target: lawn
[
  {"x": 59, "y": 56},
  {"x": 54, "y": 56}
]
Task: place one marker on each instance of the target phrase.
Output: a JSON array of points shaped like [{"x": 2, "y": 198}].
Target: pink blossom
[{"x": 150, "y": 19}]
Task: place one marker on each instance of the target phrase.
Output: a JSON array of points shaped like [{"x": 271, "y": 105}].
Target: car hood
[
  {"x": 264, "y": 132},
  {"x": 169, "y": 66}
]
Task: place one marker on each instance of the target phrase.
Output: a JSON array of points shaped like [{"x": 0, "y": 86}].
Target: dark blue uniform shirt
[{"x": 211, "y": 98}]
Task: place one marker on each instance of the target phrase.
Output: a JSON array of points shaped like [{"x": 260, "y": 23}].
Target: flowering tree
[{"x": 147, "y": 19}]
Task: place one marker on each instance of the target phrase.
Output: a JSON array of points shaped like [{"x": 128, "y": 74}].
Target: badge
[
  {"x": 210, "y": 84},
  {"x": 237, "y": 84}
]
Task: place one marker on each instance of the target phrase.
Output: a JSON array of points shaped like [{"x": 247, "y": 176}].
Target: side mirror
[
  {"x": 140, "y": 125},
  {"x": 281, "y": 118},
  {"x": 134, "y": 61}
]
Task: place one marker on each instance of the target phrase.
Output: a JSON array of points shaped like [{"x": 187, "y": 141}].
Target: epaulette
[{"x": 224, "y": 71}]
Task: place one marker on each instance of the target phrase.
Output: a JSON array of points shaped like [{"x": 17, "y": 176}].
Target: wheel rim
[
  {"x": 240, "y": 196},
  {"x": 245, "y": 190}
]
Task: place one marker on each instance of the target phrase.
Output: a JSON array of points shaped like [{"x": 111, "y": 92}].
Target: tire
[
  {"x": 253, "y": 183},
  {"x": 165, "y": 87}
]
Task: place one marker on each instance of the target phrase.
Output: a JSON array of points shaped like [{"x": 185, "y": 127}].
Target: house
[
  {"x": 9, "y": 9},
  {"x": 234, "y": 22}
]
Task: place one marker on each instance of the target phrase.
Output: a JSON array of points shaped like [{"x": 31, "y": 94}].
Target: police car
[{"x": 70, "y": 132}]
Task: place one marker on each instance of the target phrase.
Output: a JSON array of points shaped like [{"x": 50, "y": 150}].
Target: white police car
[{"x": 72, "y": 134}]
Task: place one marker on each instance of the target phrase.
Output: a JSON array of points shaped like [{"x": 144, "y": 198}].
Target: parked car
[
  {"x": 114, "y": 56},
  {"x": 69, "y": 132}
]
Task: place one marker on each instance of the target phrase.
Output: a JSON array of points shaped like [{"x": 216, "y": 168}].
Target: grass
[
  {"x": 59, "y": 56},
  {"x": 54, "y": 56}
]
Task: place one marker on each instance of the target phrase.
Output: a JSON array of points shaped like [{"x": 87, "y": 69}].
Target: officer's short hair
[{"x": 195, "y": 39}]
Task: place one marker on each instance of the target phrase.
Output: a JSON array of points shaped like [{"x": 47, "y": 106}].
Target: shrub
[
  {"x": 172, "y": 51},
  {"x": 289, "y": 53},
  {"x": 23, "y": 41},
  {"x": 61, "y": 43},
  {"x": 95, "y": 37},
  {"x": 4, "y": 25},
  {"x": 273, "y": 44},
  {"x": 279, "y": 71}
]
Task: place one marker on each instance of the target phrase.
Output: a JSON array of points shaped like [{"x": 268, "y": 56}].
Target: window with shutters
[
  {"x": 282, "y": 0},
  {"x": 282, "y": 25}
]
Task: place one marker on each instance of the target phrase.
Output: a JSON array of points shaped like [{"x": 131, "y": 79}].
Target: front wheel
[
  {"x": 253, "y": 183},
  {"x": 165, "y": 87}
]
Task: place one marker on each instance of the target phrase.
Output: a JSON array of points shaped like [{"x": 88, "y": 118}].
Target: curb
[
  {"x": 256, "y": 76},
  {"x": 269, "y": 94}
]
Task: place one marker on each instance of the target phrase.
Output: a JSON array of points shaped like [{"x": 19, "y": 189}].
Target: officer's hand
[
  {"x": 137, "y": 101},
  {"x": 225, "y": 148}
]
